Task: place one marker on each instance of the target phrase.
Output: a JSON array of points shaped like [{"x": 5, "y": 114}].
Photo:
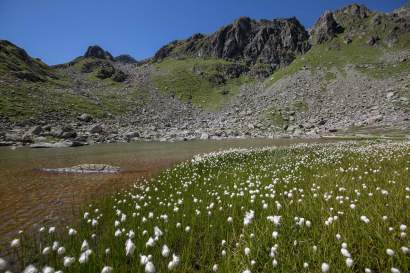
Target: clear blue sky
[{"x": 59, "y": 30}]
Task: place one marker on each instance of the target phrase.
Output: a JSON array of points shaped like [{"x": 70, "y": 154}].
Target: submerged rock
[
  {"x": 86, "y": 168},
  {"x": 61, "y": 144}
]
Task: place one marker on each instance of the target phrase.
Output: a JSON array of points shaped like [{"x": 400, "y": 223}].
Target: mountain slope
[
  {"x": 15, "y": 62},
  {"x": 348, "y": 74}
]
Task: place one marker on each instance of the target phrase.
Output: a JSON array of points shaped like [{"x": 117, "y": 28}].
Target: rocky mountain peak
[
  {"x": 325, "y": 29},
  {"x": 357, "y": 10},
  {"x": 97, "y": 52},
  {"x": 270, "y": 42}
]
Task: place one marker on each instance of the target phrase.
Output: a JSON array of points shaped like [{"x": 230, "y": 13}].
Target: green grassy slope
[
  {"x": 196, "y": 81},
  {"x": 366, "y": 58}
]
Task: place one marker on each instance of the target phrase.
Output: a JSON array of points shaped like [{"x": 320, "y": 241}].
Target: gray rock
[
  {"x": 85, "y": 117},
  {"x": 61, "y": 144},
  {"x": 96, "y": 129},
  {"x": 325, "y": 29},
  {"x": 35, "y": 130},
  {"x": 390, "y": 95},
  {"x": 374, "y": 119},
  {"x": 204, "y": 136},
  {"x": 86, "y": 169}
]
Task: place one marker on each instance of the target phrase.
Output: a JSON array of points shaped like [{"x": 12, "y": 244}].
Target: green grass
[
  {"x": 20, "y": 102},
  {"x": 337, "y": 54},
  {"x": 189, "y": 80},
  {"x": 309, "y": 182},
  {"x": 274, "y": 116},
  {"x": 300, "y": 106}
]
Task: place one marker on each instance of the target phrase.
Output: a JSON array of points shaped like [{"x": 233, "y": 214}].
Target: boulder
[
  {"x": 85, "y": 117},
  {"x": 96, "y": 129},
  {"x": 35, "y": 130},
  {"x": 204, "y": 136},
  {"x": 131, "y": 135},
  {"x": 372, "y": 40}
]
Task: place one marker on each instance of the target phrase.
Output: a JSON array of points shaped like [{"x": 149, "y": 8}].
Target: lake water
[{"x": 30, "y": 198}]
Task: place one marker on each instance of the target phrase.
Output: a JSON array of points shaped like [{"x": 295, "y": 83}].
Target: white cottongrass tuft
[
  {"x": 345, "y": 253},
  {"x": 349, "y": 262},
  {"x": 364, "y": 219},
  {"x": 3, "y": 264},
  {"x": 165, "y": 251},
  {"x": 61, "y": 250},
  {"x": 46, "y": 250},
  {"x": 274, "y": 219},
  {"x": 48, "y": 269},
  {"x": 247, "y": 251},
  {"x": 30, "y": 269},
  {"x": 106, "y": 269},
  {"x": 249, "y": 215},
  {"x": 68, "y": 261},
  {"x": 84, "y": 246},
  {"x": 174, "y": 263},
  {"x": 15, "y": 243},
  {"x": 85, "y": 256},
  {"x": 72, "y": 232},
  {"x": 215, "y": 268},
  {"x": 390, "y": 252},
  {"x": 149, "y": 268},
  {"x": 129, "y": 248},
  {"x": 325, "y": 267}
]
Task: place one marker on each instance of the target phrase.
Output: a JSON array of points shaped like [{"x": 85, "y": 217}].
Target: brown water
[{"x": 29, "y": 197}]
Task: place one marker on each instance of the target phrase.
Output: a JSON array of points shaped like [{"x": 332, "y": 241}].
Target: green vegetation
[
  {"x": 19, "y": 102},
  {"x": 384, "y": 71},
  {"x": 338, "y": 52},
  {"x": 300, "y": 106},
  {"x": 332, "y": 54},
  {"x": 200, "y": 81},
  {"x": 298, "y": 209},
  {"x": 275, "y": 116}
]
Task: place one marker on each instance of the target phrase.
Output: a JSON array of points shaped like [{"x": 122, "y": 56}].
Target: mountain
[
  {"x": 349, "y": 74},
  {"x": 15, "y": 62},
  {"x": 273, "y": 43}
]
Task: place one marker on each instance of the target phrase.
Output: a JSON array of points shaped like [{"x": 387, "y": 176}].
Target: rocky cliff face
[
  {"x": 271, "y": 42},
  {"x": 99, "y": 53}
]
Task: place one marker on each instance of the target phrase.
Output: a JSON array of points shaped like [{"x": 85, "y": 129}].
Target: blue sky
[{"x": 57, "y": 31}]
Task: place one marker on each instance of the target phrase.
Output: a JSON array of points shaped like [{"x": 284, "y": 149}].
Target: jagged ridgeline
[
  {"x": 249, "y": 78},
  {"x": 271, "y": 44}
]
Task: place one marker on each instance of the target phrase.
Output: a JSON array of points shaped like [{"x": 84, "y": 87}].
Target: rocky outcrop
[
  {"x": 272, "y": 42},
  {"x": 96, "y": 51},
  {"x": 325, "y": 29},
  {"x": 356, "y": 10}
]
